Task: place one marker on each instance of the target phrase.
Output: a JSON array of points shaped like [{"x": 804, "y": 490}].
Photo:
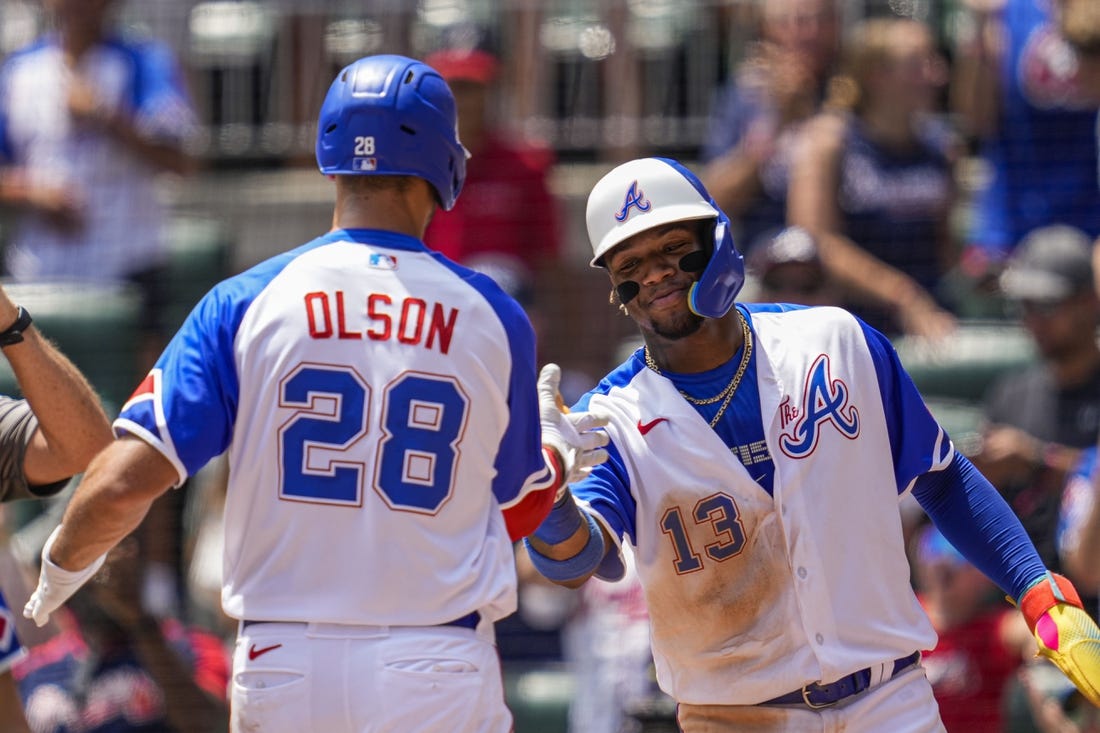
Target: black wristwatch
[{"x": 13, "y": 334}]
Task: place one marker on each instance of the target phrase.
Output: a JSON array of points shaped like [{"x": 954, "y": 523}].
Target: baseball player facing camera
[
  {"x": 757, "y": 457},
  {"x": 388, "y": 436}
]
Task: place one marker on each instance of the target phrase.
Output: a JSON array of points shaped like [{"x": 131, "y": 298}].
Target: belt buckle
[{"x": 812, "y": 705}]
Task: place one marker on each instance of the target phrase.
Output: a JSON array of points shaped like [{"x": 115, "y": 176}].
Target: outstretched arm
[
  {"x": 570, "y": 545},
  {"x": 115, "y": 495},
  {"x": 974, "y": 518},
  {"x": 72, "y": 427}
]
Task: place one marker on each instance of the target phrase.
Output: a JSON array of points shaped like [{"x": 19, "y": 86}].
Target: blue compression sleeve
[
  {"x": 974, "y": 518},
  {"x": 582, "y": 564}
]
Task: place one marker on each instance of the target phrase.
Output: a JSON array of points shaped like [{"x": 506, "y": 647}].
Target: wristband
[
  {"x": 561, "y": 523},
  {"x": 13, "y": 334},
  {"x": 578, "y": 566}
]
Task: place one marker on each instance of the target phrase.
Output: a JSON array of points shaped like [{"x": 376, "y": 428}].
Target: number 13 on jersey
[{"x": 415, "y": 451}]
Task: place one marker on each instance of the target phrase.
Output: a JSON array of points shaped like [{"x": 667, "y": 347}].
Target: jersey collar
[{"x": 378, "y": 238}]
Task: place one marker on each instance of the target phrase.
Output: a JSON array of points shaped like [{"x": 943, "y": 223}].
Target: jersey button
[
  {"x": 802, "y": 573},
  {"x": 820, "y": 639}
]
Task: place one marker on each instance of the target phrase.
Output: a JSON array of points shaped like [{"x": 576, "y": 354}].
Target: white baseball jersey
[
  {"x": 120, "y": 232},
  {"x": 379, "y": 408},
  {"x": 771, "y": 563}
]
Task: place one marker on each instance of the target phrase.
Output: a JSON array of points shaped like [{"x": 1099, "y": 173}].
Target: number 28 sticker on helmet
[
  {"x": 392, "y": 115},
  {"x": 652, "y": 192}
]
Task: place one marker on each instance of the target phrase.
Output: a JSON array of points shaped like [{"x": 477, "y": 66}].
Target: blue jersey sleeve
[
  {"x": 917, "y": 442},
  {"x": 519, "y": 463},
  {"x": 162, "y": 107},
  {"x": 187, "y": 405},
  {"x": 520, "y": 454}
]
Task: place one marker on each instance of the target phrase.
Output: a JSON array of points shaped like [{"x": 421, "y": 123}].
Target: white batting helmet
[
  {"x": 650, "y": 192},
  {"x": 640, "y": 195}
]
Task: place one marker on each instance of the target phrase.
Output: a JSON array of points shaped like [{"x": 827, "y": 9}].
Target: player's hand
[
  {"x": 575, "y": 436},
  {"x": 1065, "y": 632},
  {"x": 55, "y": 584}
]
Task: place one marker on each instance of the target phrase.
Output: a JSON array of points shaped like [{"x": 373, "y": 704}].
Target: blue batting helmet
[
  {"x": 392, "y": 116},
  {"x": 650, "y": 192}
]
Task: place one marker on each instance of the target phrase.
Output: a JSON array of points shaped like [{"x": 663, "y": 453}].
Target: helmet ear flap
[{"x": 713, "y": 294}]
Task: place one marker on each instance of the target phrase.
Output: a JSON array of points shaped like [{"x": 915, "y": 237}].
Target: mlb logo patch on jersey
[
  {"x": 381, "y": 261},
  {"x": 364, "y": 164}
]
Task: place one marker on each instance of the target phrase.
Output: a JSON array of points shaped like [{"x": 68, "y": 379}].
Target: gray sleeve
[{"x": 17, "y": 426}]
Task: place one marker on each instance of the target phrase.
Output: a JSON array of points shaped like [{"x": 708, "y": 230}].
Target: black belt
[
  {"x": 817, "y": 695},
  {"x": 469, "y": 621}
]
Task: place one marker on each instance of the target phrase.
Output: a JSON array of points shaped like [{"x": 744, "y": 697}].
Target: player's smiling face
[{"x": 652, "y": 260}]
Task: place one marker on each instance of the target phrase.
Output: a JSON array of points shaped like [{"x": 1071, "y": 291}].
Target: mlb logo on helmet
[
  {"x": 364, "y": 164},
  {"x": 634, "y": 198}
]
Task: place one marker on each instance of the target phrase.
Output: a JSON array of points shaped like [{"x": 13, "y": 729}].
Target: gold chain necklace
[{"x": 726, "y": 395}]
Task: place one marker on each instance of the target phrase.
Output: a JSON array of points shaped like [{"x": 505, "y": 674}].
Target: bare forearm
[
  {"x": 94, "y": 523},
  {"x": 115, "y": 495},
  {"x": 867, "y": 275},
  {"x": 68, "y": 410}
]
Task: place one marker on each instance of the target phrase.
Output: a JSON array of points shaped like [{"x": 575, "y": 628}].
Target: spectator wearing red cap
[{"x": 506, "y": 207}]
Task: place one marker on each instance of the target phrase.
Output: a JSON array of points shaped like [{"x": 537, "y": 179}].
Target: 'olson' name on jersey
[{"x": 412, "y": 321}]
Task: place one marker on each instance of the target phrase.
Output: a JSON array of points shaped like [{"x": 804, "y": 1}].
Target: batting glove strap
[
  {"x": 578, "y": 566},
  {"x": 1064, "y": 632},
  {"x": 56, "y": 584},
  {"x": 1044, "y": 594}
]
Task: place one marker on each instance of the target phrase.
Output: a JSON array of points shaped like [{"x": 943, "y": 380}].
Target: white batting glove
[
  {"x": 56, "y": 584},
  {"x": 574, "y": 435}
]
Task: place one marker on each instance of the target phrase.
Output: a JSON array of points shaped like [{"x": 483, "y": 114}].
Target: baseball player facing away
[
  {"x": 382, "y": 419},
  {"x": 757, "y": 458}
]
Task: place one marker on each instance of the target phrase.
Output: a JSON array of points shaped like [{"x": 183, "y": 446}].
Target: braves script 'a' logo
[
  {"x": 634, "y": 198},
  {"x": 824, "y": 400},
  {"x": 644, "y": 428},
  {"x": 253, "y": 652}
]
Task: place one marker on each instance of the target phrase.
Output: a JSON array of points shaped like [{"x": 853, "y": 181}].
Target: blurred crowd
[{"x": 864, "y": 165}]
